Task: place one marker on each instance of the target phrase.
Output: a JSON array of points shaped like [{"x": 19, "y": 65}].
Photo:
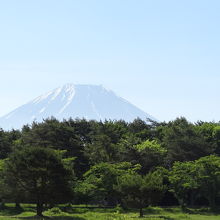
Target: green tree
[
  {"x": 98, "y": 183},
  {"x": 6, "y": 142},
  {"x": 183, "y": 141},
  {"x": 57, "y": 135},
  {"x": 141, "y": 129},
  {"x": 103, "y": 141},
  {"x": 149, "y": 154},
  {"x": 40, "y": 173},
  {"x": 196, "y": 178},
  {"x": 216, "y": 138},
  {"x": 184, "y": 182},
  {"x": 100, "y": 150},
  {"x": 209, "y": 178},
  {"x": 140, "y": 191},
  {"x": 9, "y": 188}
]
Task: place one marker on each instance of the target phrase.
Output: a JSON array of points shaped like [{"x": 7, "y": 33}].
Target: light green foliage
[
  {"x": 152, "y": 146},
  {"x": 99, "y": 180},
  {"x": 211, "y": 133},
  {"x": 201, "y": 177},
  {"x": 206, "y": 129},
  {"x": 140, "y": 191},
  {"x": 184, "y": 181},
  {"x": 216, "y": 139},
  {"x": 209, "y": 177},
  {"x": 149, "y": 154},
  {"x": 216, "y": 132}
]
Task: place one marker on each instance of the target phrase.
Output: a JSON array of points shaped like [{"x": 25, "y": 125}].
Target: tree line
[{"x": 111, "y": 163}]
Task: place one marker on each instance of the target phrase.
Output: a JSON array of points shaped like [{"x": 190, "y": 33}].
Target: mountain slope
[{"x": 82, "y": 101}]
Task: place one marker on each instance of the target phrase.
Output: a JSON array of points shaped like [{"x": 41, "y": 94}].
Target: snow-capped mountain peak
[{"x": 76, "y": 101}]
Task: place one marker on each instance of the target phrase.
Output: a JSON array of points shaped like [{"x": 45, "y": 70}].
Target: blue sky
[{"x": 163, "y": 56}]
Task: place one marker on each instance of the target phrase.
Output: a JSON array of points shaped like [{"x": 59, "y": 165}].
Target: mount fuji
[{"x": 75, "y": 101}]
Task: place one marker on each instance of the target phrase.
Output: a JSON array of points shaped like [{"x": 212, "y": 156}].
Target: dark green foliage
[
  {"x": 40, "y": 174},
  {"x": 6, "y": 142},
  {"x": 149, "y": 155},
  {"x": 104, "y": 140},
  {"x": 60, "y": 136},
  {"x": 183, "y": 142},
  {"x": 140, "y": 191},
  {"x": 101, "y": 153},
  {"x": 141, "y": 129}
]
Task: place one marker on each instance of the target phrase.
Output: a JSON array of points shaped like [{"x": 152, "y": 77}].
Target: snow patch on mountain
[{"x": 76, "y": 101}]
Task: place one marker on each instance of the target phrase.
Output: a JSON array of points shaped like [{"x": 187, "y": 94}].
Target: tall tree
[
  {"x": 209, "y": 178},
  {"x": 98, "y": 182},
  {"x": 40, "y": 173},
  {"x": 141, "y": 191},
  {"x": 57, "y": 135},
  {"x": 149, "y": 154},
  {"x": 184, "y": 182},
  {"x": 184, "y": 142}
]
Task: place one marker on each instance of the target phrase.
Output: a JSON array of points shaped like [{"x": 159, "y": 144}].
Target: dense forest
[{"x": 110, "y": 163}]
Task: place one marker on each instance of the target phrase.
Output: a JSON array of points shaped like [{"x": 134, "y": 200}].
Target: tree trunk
[
  {"x": 39, "y": 209},
  {"x": 212, "y": 203},
  {"x": 2, "y": 205},
  {"x": 51, "y": 205},
  {"x": 182, "y": 204},
  {"x": 17, "y": 205},
  {"x": 141, "y": 213},
  {"x": 192, "y": 199}
]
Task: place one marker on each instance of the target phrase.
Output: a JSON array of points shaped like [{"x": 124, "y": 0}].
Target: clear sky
[{"x": 163, "y": 56}]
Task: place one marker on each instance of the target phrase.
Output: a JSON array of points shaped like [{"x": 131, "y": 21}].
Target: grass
[{"x": 27, "y": 212}]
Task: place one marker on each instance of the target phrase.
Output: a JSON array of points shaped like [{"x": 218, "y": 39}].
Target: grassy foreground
[{"x": 156, "y": 213}]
